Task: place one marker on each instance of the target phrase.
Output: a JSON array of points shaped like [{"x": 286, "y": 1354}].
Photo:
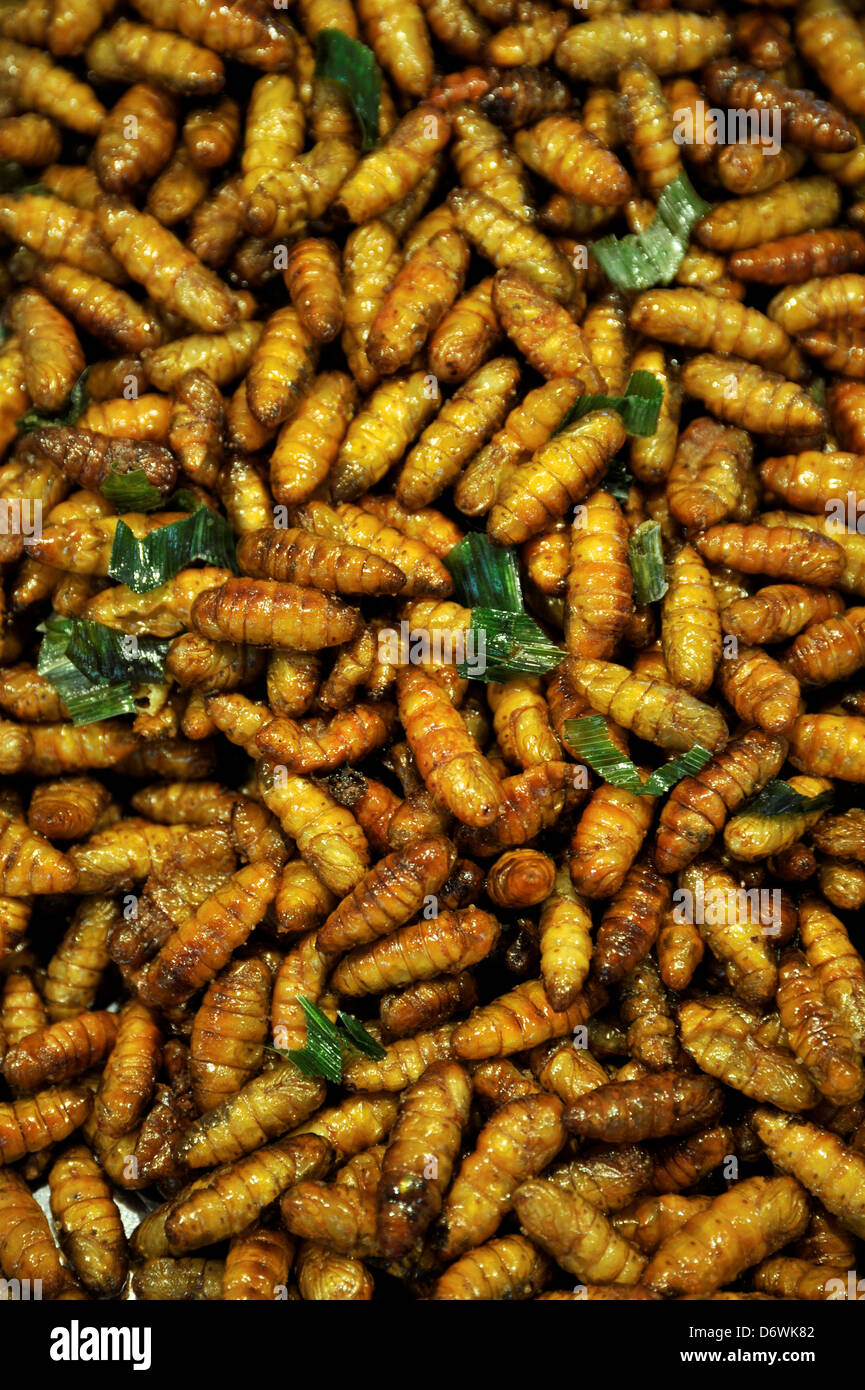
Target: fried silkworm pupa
[
  {"x": 652, "y": 1107},
  {"x": 355, "y": 1124},
  {"x": 447, "y": 943},
  {"x": 265, "y": 1107},
  {"x": 78, "y": 964},
  {"x": 522, "y": 1018},
  {"x": 420, "y": 1156},
  {"x": 404, "y": 1061},
  {"x": 61, "y": 1050},
  {"x": 818, "y": 1037},
  {"x": 517, "y": 1142},
  {"x": 425, "y": 1004},
  {"x": 167, "y": 1280},
  {"x": 448, "y": 758},
  {"x": 228, "y": 1033},
  {"x": 655, "y": 710},
  {"x": 741, "y": 1227},
  {"x": 27, "y": 1248},
  {"x": 698, "y": 806},
  {"x": 32, "y": 1124},
  {"x": 576, "y": 1234},
  {"x": 821, "y": 1161},
  {"x": 520, "y": 878},
  {"x": 724, "y": 1041},
  {"x": 631, "y": 923},
  {"x": 88, "y": 1222},
  {"x": 391, "y": 893},
  {"x": 196, "y": 952},
  {"x": 229, "y": 1199},
  {"x": 510, "y": 1267},
  {"x": 301, "y": 557}
]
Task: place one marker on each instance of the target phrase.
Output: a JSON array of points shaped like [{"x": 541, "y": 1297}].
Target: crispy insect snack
[{"x": 432, "y": 650}]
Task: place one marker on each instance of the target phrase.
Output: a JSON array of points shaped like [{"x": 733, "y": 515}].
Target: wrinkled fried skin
[{"x": 432, "y": 651}]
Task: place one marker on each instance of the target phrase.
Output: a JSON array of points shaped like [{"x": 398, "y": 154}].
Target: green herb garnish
[
  {"x": 359, "y": 1038},
  {"x": 639, "y": 407},
  {"x": 145, "y": 564},
  {"x": 503, "y": 638},
  {"x": 350, "y": 62},
  {"x": 75, "y": 407},
  {"x": 506, "y": 643},
  {"x": 131, "y": 492},
  {"x": 92, "y": 667},
  {"x": 618, "y": 480},
  {"x": 780, "y": 799},
  {"x": 590, "y": 740},
  {"x": 646, "y": 558},
  {"x": 322, "y": 1053},
  {"x": 183, "y": 500},
  {"x": 652, "y": 257},
  {"x": 103, "y": 653},
  {"x": 485, "y": 574}
]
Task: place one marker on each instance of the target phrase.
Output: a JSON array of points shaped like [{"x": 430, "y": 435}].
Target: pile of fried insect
[{"x": 433, "y": 712}]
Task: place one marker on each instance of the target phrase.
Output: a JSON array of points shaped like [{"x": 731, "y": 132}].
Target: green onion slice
[
  {"x": 358, "y": 1038},
  {"x": 485, "y": 575},
  {"x": 75, "y": 408},
  {"x": 646, "y": 558},
  {"x": 506, "y": 644},
  {"x": 639, "y": 407},
  {"x": 652, "y": 257},
  {"x": 590, "y": 740},
  {"x": 350, "y": 62},
  {"x": 93, "y": 668},
  {"x": 131, "y": 492},
  {"x": 102, "y": 653},
  {"x": 321, "y": 1054},
  {"x": 145, "y": 564},
  {"x": 618, "y": 480},
  {"x": 780, "y": 799}
]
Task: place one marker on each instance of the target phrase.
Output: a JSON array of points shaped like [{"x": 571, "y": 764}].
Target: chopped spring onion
[
  {"x": 75, "y": 408},
  {"x": 485, "y": 574},
  {"x": 350, "y": 62},
  {"x": 183, "y": 500},
  {"x": 590, "y": 740},
  {"x": 639, "y": 407},
  {"x": 646, "y": 558},
  {"x": 780, "y": 799},
  {"x": 652, "y": 257},
  {"x": 321, "y": 1054},
  {"x": 505, "y": 644},
  {"x": 103, "y": 653},
  {"x": 92, "y": 667},
  {"x": 358, "y": 1038},
  {"x": 131, "y": 492},
  {"x": 618, "y": 480},
  {"x": 503, "y": 638},
  {"x": 145, "y": 564}
]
